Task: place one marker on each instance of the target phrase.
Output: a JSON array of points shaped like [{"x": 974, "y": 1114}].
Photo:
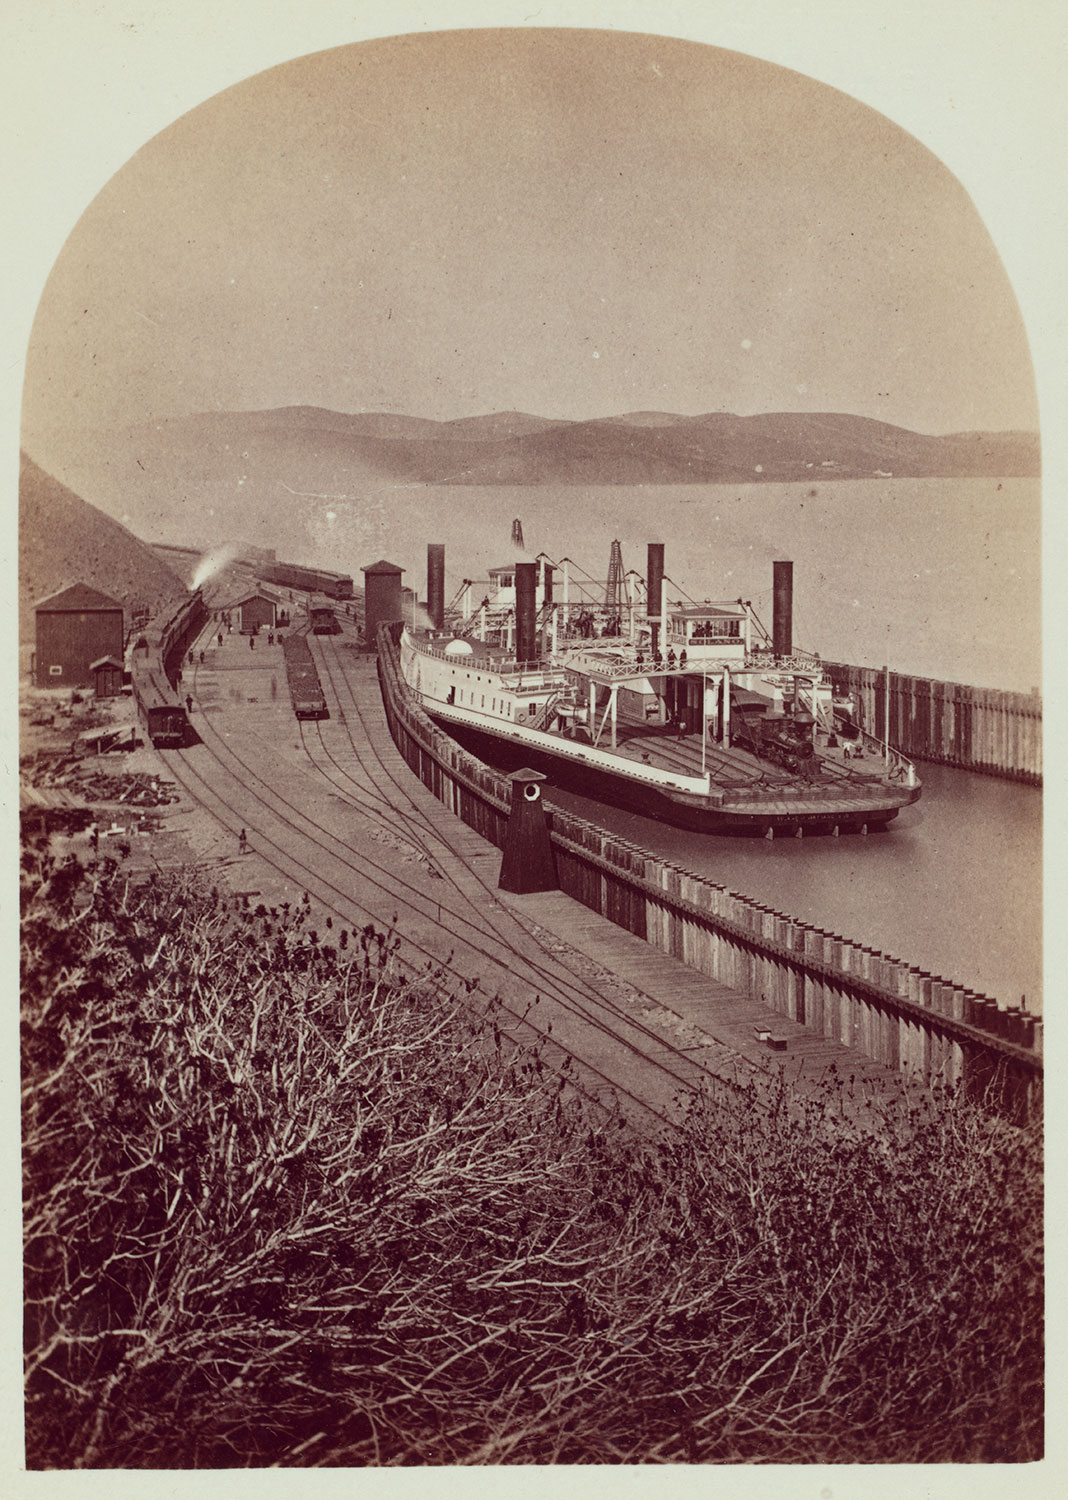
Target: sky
[{"x": 564, "y": 222}]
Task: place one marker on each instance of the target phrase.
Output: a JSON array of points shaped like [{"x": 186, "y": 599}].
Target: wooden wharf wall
[
  {"x": 977, "y": 729},
  {"x": 895, "y": 1013}
]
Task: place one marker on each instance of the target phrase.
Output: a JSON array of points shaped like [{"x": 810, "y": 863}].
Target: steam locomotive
[{"x": 785, "y": 739}]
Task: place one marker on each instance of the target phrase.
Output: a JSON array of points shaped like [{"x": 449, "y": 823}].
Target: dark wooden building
[
  {"x": 381, "y": 597},
  {"x": 75, "y": 628}
]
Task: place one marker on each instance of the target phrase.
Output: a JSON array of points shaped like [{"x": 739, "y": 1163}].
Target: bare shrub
[{"x": 283, "y": 1207}]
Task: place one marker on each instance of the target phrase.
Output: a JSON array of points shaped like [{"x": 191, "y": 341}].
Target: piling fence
[
  {"x": 977, "y": 729},
  {"x": 906, "y": 1018}
]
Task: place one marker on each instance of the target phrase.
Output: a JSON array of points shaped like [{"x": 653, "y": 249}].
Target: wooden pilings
[
  {"x": 920, "y": 1024},
  {"x": 977, "y": 729}
]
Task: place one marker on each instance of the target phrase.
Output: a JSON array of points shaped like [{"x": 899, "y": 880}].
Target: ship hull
[{"x": 681, "y": 810}]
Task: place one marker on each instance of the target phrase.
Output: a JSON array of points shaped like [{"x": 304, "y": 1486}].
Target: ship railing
[
  {"x": 892, "y": 765},
  {"x": 605, "y": 666},
  {"x": 615, "y": 666},
  {"x": 523, "y": 679},
  {"x": 619, "y": 664},
  {"x": 805, "y": 662},
  {"x": 519, "y": 681}
]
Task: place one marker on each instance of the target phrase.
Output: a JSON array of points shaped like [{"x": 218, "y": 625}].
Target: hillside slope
[{"x": 64, "y": 540}]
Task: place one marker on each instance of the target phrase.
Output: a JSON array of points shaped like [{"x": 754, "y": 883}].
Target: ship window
[
  {"x": 482, "y": 701},
  {"x": 707, "y": 630},
  {"x": 532, "y": 708}
]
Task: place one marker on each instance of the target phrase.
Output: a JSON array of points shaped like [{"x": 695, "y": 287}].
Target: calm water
[
  {"x": 954, "y": 885},
  {"x": 938, "y": 577}
]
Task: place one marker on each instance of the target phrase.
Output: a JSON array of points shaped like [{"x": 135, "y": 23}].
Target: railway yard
[{"x": 329, "y": 808}]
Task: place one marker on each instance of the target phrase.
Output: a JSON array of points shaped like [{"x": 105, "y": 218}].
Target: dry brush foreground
[{"x": 283, "y": 1206}]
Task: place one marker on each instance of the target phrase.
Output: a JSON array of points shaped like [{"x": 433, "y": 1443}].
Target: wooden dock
[{"x": 718, "y": 1020}]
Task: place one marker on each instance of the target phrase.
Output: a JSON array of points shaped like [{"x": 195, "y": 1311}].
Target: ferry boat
[{"x": 692, "y": 718}]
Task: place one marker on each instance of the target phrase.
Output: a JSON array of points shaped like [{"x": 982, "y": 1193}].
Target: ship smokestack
[
  {"x": 782, "y": 637},
  {"x": 435, "y": 584},
  {"x": 547, "y": 582},
  {"x": 654, "y": 591},
  {"x": 526, "y": 584}
]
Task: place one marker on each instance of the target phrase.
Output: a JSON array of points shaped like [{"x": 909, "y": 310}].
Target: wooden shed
[
  {"x": 107, "y": 676},
  {"x": 75, "y": 628},
  {"x": 256, "y": 612}
]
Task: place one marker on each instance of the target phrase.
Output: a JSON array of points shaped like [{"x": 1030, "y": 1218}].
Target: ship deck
[{"x": 845, "y": 783}]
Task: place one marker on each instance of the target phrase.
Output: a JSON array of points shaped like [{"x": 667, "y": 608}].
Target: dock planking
[{"x": 726, "y": 1016}]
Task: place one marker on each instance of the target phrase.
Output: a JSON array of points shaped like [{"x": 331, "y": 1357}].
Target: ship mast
[{"x": 614, "y": 589}]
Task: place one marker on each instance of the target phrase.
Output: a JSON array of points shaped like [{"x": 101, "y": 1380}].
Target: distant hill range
[
  {"x": 64, "y": 540},
  {"x": 277, "y": 475},
  {"x": 514, "y": 448}
]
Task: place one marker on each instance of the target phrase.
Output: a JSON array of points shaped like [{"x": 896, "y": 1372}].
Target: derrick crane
[{"x": 616, "y": 593}]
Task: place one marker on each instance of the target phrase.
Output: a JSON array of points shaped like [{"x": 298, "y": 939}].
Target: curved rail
[{"x": 476, "y": 919}]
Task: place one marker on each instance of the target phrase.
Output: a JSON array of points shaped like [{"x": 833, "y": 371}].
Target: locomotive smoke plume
[{"x": 213, "y": 562}]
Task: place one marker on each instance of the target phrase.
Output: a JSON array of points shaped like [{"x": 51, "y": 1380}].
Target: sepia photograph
[{"x": 530, "y": 753}]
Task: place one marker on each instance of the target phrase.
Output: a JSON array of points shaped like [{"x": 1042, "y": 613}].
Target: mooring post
[{"x": 528, "y": 864}]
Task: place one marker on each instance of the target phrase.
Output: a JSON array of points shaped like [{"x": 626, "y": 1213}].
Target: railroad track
[{"x": 449, "y": 919}]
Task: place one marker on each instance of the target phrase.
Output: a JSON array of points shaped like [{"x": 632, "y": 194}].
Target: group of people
[
  {"x": 584, "y": 624},
  {"x": 670, "y": 661}
]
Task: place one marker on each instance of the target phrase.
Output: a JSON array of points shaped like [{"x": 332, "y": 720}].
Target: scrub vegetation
[{"x": 285, "y": 1206}]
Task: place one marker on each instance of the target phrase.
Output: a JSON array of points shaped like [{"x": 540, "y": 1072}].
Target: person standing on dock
[{"x": 242, "y": 842}]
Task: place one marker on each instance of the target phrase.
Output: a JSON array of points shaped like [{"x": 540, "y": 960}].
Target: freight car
[
  {"x": 310, "y": 580},
  {"x": 305, "y": 689},
  {"x": 324, "y": 622},
  {"x": 164, "y": 718},
  {"x": 154, "y": 664}
]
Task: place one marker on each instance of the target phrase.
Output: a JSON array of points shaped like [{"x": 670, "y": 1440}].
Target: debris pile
[{"x": 92, "y": 785}]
